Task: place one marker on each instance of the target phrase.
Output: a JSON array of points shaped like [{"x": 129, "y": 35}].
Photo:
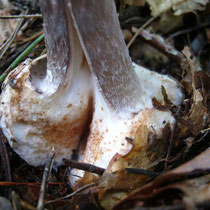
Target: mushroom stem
[
  {"x": 106, "y": 53},
  {"x": 123, "y": 91},
  {"x": 60, "y": 41}
]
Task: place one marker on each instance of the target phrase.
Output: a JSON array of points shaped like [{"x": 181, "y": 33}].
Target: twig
[
  {"x": 5, "y": 162},
  {"x": 203, "y": 131},
  {"x": 178, "y": 33},
  {"x": 16, "y": 201},
  {"x": 160, "y": 44},
  {"x": 21, "y": 16},
  {"x": 197, "y": 173},
  {"x": 142, "y": 172},
  {"x": 20, "y": 184},
  {"x": 140, "y": 29},
  {"x": 169, "y": 149},
  {"x": 47, "y": 170},
  {"x": 5, "y": 159},
  {"x": 84, "y": 166},
  {"x": 74, "y": 193},
  {"x": 21, "y": 56},
  {"x": 33, "y": 37},
  {"x": 26, "y": 205},
  {"x": 6, "y": 62},
  {"x": 7, "y": 44}
]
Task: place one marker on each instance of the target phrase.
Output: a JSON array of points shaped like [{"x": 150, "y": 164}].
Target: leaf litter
[{"x": 160, "y": 171}]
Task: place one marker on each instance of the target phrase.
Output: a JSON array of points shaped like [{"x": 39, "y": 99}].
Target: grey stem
[
  {"x": 56, "y": 30},
  {"x": 101, "y": 37}
]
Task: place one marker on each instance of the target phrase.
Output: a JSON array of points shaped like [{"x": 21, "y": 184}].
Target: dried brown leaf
[
  {"x": 195, "y": 190},
  {"x": 7, "y": 26},
  {"x": 179, "y": 6},
  {"x": 148, "y": 191},
  {"x": 197, "y": 116},
  {"x": 189, "y": 6},
  {"x": 117, "y": 182}
]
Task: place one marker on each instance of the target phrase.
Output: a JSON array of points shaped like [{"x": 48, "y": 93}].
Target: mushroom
[
  {"x": 86, "y": 59},
  {"x": 123, "y": 91}
]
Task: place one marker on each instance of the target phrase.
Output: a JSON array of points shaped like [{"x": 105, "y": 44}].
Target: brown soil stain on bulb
[
  {"x": 95, "y": 147},
  {"x": 66, "y": 132},
  {"x": 69, "y": 106},
  {"x": 17, "y": 92}
]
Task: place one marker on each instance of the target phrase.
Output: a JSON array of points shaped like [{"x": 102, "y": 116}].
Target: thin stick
[
  {"x": 16, "y": 201},
  {"x": 207, "y": 129},
  {"x": 47, "y": 170},
  {"x": 20, "y": 184},
  {"x": 171, "y": 140},
  {"x": 74, "y": 193},
  {"x": 7, "y": 44},
  {"x": 6, "y": 62},
  {"x": 21, "y": 56},
  {"x": 5, "y": 162},
  {"x": 5, "y": 159},
  {"x": 178, "y": 33},
  {"x": 21, "y": 16},
  {"x": 33, "y": 37},
  {"x": 84, "y": 166},
  {"x": 160, "y": 44},
  {"x": 142, "y": 172},
  {"x": 140, "y": 29}
]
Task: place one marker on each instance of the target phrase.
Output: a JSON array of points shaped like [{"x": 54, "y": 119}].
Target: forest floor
[{"x": 172, "y": 40}]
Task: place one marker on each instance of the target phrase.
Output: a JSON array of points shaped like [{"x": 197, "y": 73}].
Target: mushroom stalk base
[
  {"x": 109, "y": 130},
  {"x": 35, "y": 124}
]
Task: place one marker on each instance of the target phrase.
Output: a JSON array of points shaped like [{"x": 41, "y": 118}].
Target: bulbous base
[{"x": 35, "y": 123}]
